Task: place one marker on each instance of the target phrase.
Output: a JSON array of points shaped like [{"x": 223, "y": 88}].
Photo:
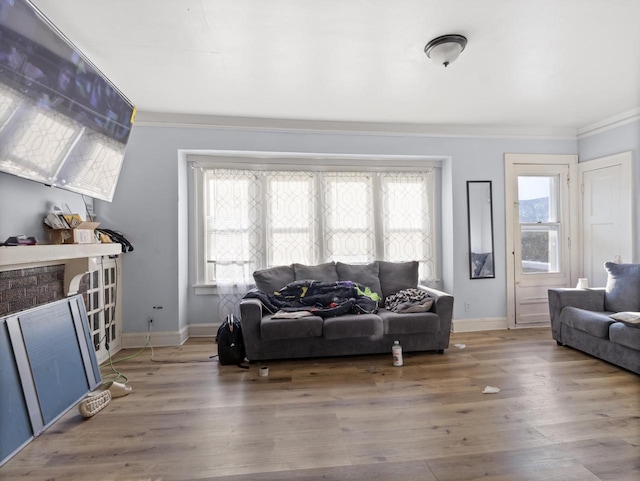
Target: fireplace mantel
[{"x": 77, "y": 259}]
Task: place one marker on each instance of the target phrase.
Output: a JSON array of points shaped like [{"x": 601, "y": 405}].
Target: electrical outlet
[{"x": 467, "y": 307}]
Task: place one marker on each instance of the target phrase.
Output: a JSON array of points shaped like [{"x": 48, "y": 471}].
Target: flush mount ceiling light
[{"x": 444, "y": 50}]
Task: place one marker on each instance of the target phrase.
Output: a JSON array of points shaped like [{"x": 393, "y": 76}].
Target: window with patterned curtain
[
  {"x": 408, "y": 220},
  {"x": 262, "y": 218},
  {"x": 348, "y": 226}
]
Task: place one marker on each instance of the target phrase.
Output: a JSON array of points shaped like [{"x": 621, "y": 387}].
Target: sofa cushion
[
  {"x": 395, "y": 276},
  {"x": 410, "y": 323},
  {"x": 625, "y": 335},
  {"x": 594, "y": 323},
  {"x": 367, "y": 275},
  {"x": 322, "y": 272},
  {"x": 623, "y": 287},
  {"x": 310, "y": 326},
  {"x": 352, "y": 325},
  {"x": 274, "y": 278}
]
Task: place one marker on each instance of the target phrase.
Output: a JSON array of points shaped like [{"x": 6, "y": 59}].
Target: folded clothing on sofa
[{"x": 409, "y": 300}]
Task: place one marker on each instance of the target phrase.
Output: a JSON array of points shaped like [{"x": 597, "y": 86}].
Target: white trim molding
[
  {"x": 163, "y": 119},
  {"x": 610, "y": 123},
  {"x": 203, "y": 330},
  {"x": 158, "y": 339},
  {"x": 479, "y": 324}
]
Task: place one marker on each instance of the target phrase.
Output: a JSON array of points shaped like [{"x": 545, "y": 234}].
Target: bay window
[{"x": 251, "y": 218}]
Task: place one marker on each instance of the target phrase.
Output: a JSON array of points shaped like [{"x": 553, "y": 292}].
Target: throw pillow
[
  {"x": 322, "y": 272},
  {"x": 366, "y": 274},
  {"x": 274, "y": 278},
  {"x": 629, "y": 318},
  {"x": 623, "y": 287},
  {"x": 395, "y": 276}
]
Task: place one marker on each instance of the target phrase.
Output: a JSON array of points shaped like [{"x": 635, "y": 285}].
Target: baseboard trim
[
  {"x": 203, "y": 330},
  {"x": 177, "y": 338},
  {"x": 479, "y": 324},
  {"x": 158, "y": 339}
]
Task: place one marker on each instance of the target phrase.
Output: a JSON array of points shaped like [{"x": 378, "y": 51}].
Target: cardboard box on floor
[{"x": 82, "y": 233}]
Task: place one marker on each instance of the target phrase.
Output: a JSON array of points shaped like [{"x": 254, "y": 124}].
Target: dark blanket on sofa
[{"x": 324, "y": 299}]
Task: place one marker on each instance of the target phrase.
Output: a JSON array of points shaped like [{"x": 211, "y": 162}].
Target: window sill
[{"x": 217, "y": 289}]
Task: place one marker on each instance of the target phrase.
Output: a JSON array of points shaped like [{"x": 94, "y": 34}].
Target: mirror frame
[{"x": 484, "y": 267}]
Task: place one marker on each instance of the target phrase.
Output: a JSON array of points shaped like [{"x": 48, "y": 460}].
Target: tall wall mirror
[{"x": 480, "y": 217}]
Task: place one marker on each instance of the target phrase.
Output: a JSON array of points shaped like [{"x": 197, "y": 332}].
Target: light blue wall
[
  {"x": 149, "y": 209},
  {"x": 25, "y": 203},
  {"x": 614, "y": 141}
]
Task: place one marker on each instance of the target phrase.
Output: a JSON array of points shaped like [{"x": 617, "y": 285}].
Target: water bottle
[{"x": 396, "y": 350}]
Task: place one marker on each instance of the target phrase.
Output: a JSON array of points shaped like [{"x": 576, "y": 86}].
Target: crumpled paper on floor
[
  {"x": 490, "y": 390},
  {"x": 460, "y": 346}
]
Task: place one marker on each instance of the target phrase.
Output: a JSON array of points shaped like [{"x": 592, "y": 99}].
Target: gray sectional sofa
[
  {"x": 267, "y": 337},
  {"x": 582, "y": 318}
]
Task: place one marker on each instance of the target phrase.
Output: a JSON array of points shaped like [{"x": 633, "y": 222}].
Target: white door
[
  {"x": 539, "y": 237},
  {"x": 607, "y": 197}
]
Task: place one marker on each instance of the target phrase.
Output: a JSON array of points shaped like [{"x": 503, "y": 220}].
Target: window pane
[
  {"x": 289, "y": 247},
  {"x": 538, "y": 198},
  {"x": 230, "y": 272},
  {"x": 540, "y": 248},
  {"x": 347, "y": 201},
  {"x": 291, "y": 218},
  {"x": 350, "y": 246},
  {"x": 228, "y": 247},
  {"x": 405, "y": 246},
  {"x": 228, "y": 203},
  {"x": 404, "y": 204},
  {"x": 348, "y": 216},
  {"x": 290, "y": 203},
  {"x": 232, "y": 215}
]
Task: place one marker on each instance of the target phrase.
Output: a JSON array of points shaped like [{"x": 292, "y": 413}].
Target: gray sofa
[
  {"x": 347, "y": 334},
  {"x": 581, "y": 318}
]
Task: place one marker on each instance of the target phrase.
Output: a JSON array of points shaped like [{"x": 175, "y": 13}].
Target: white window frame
[{"x": 293, "y": 161}]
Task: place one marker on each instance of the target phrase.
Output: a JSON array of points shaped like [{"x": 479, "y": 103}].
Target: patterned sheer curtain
[
  {"x": 233, "y": 239},
  {"x": 291, "y": 218},
  {"x": 347, "y": 206},
  {"x": 408, "y": 220},
  {"x": 258, "y": 219}
]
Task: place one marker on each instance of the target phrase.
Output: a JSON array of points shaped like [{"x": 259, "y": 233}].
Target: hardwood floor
[{"x": 560, "y": 415}]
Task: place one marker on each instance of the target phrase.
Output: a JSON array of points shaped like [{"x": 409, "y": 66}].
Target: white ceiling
[{"x": 528, "y": 63}]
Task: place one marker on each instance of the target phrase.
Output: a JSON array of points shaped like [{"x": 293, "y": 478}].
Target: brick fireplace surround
[
  {"x": 22, "y": 289},
  {"x": 31, "y": 276}
]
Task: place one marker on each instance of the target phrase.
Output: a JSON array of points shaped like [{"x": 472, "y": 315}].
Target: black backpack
[{"x": 230, "y": 342}]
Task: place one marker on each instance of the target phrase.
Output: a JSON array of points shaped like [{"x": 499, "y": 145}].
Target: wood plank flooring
[{"x": 560, "y": 415}]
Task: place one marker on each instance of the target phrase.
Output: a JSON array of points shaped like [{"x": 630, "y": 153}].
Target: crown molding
[
  {"x": 162, "y": 119},
  {"x": 610, "y": 123}
]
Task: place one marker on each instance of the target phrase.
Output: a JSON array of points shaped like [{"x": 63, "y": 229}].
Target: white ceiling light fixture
[{"x": 445, "y": 49}]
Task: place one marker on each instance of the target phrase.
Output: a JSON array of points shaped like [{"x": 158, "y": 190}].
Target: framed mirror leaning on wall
[{"x": 480, "y": 219}]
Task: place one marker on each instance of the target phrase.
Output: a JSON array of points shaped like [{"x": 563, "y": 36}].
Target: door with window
[{"x": 540, "y": 239}]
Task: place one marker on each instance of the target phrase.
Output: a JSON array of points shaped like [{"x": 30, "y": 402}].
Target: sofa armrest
[
  {"x": 559, "y": 298},
  {"x": 250, "y": 316},
  {"x": 443, "y": 306}
]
